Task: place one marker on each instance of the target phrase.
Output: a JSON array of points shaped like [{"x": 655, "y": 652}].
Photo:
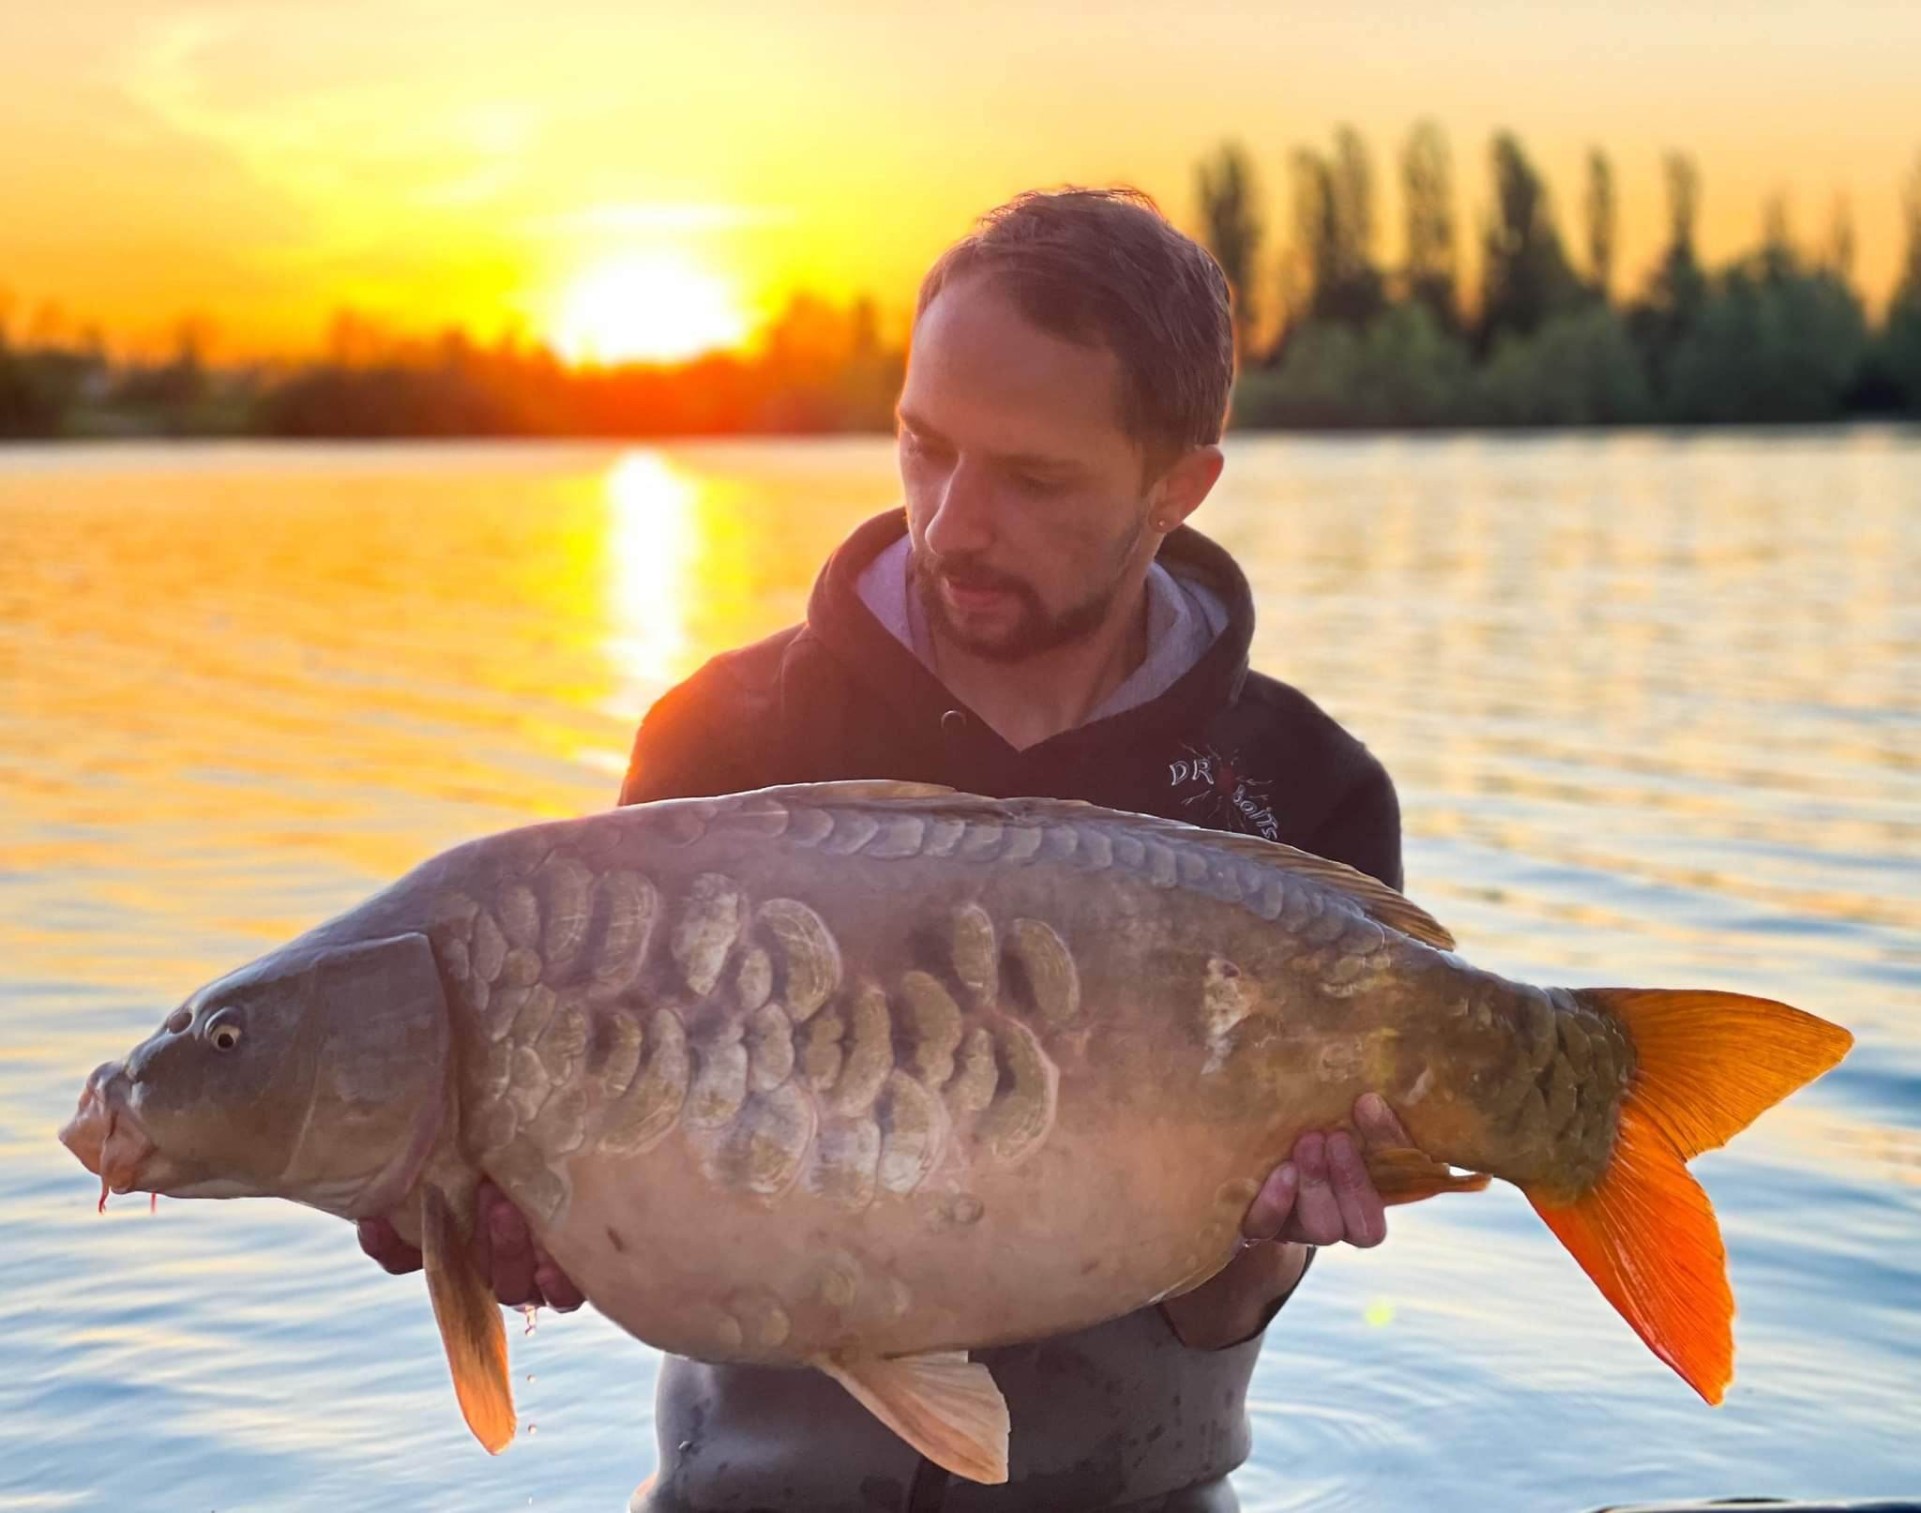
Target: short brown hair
[{"x": 1104, "y": 267}]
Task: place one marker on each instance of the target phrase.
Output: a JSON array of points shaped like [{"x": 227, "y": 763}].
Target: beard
[{"x": 1034, "y": 631}]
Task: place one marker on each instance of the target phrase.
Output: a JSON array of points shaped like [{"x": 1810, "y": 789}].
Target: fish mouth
[{"x": 104, "y": 1134}]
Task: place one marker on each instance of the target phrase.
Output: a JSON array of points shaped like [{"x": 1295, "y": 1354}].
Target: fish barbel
[{"x": 862, "y": 1076}]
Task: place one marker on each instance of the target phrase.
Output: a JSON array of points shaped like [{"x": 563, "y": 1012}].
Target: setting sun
[{"x": 657, "y": 307}]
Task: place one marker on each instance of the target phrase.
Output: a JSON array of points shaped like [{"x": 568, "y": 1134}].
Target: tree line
[
  {"x": 1331, "y": 335},
  {"x": 1542, "y": 337},
  {"x": 816, "y": 367}
]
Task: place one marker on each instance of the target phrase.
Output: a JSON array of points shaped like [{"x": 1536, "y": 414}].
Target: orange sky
[{"x": 264, "y": 162}]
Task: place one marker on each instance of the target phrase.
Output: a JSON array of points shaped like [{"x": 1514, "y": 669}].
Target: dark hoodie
[{"x": 1122, "y": 1415}]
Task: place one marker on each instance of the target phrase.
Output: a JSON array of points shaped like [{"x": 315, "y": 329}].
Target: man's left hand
[{"x": 1321, "y": 1195}]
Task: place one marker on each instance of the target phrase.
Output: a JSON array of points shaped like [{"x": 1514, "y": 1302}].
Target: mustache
[{"x": 965, "y": 572}]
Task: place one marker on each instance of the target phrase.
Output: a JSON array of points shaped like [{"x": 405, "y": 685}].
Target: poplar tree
[
  {"x": 1601, "y": 217},
  {"x": 1427, "y": 195},
  {"x": 1901, "y": 337},
  {"x": 1232, "y": 228},
  {"x": 1525, "y": 272},
  {"x": 1334, "y": 232},
  {"x": 1677, "y": 293}
]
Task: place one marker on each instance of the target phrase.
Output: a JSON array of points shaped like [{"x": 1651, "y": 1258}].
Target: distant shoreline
[{"x": 1662, "y": 430}]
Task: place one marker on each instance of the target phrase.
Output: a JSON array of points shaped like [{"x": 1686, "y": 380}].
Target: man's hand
[
  {"x": 1321, "y": 1195},
  {"x": 523, "y": 1275}
]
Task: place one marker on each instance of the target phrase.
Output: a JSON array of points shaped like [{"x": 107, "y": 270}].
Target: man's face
[{"x": 1026, "y": 501}]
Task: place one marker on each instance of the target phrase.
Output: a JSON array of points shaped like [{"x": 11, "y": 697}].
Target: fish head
[{"x": 318, "y": 1073}]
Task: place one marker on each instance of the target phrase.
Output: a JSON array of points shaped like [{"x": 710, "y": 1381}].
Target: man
[{"x": 1038, "y": 622}]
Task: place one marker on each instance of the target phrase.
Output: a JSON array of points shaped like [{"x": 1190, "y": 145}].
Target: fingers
[
  {"x": 381, "y": 1241},
  {"x": 523, "y": 1274},
  {"x": 1378, "y": 1124},
  {"x": 1317, "y": 1212},
  {"x": 1272, "y": 1204},
  {"x": 503, "y": 1249},
  {"x": 511, "y": 1249},
  {"x": 1336, "y": 1201},
  {"x": 554, "y": 1284},
  {"x": 1363, "y": 1215}
]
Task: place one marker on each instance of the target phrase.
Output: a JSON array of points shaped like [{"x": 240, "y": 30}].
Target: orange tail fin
[{"x": 1706, "y": 1066}]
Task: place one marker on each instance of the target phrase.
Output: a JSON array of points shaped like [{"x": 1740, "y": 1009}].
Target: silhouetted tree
[
  {"x": 823, "y": 370},
  {"x": 1363, "y": 290},
  {"x": 1841, "y": 244},
  {"x": 1777, "y": 340},
  {"x": 1405, "y": 369},
  {"x": 1579, "y": 369},
  {"x": 1314, "y": 254},
  {"x": 355, "y": 340},
  {"x": 1777, "y": 256},
  {"x": 26, "y": 408},
  {"x": 1601, "y": 215},
  {"x": 1427, "y": 196},
  {"x": 1684, "y": 207},
  {"x": 1671, "y": 306},
  {"x": 1909, "y": 287},
  {"x": 176, "y": 384},
  {"x": 1334, "y": 233},
  {"x": 863, "y": 322},
  {"x": 1525, "y": 272},
  {"x": 41, "y": 386},
  {"x": 1899, "y": 356},
  {"x": 815, "y": 367},
  {"x": 1232, "y": 227}
]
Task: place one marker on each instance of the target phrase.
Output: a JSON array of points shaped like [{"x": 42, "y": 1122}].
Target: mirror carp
[{"x": 864, "y": 1076}]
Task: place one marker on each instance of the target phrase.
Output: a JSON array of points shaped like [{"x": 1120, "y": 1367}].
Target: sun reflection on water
[{"x": 651, "y": 558}]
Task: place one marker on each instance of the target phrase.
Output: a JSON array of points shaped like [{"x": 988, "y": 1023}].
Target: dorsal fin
[
  {"x": 864, "y": 790},
  {"x": 1379, "y": 902}
]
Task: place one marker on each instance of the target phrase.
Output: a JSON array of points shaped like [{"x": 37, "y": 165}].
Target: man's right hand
[{"x": 523, "y": 1275}]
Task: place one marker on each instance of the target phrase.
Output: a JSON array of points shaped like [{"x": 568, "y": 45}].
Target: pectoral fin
[
  {"x": 944, "y": 1406},
  {"x": 1404, "y": 1175},
  {"x": 470, "y": 1326}
]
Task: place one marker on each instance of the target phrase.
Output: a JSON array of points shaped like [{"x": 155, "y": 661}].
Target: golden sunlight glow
[
  {"x": 469, "y": 179},
  {"x": 651, "y": 307}
]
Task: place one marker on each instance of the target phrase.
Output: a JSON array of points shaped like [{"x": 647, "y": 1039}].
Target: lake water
[{"x": 1653, "y": 703}]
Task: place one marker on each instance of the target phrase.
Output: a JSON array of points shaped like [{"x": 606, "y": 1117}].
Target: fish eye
[{"x": 222, "y": 1034}]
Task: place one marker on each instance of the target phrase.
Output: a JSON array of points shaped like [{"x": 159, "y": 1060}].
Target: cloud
[{"x": 358, "y": 142}]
